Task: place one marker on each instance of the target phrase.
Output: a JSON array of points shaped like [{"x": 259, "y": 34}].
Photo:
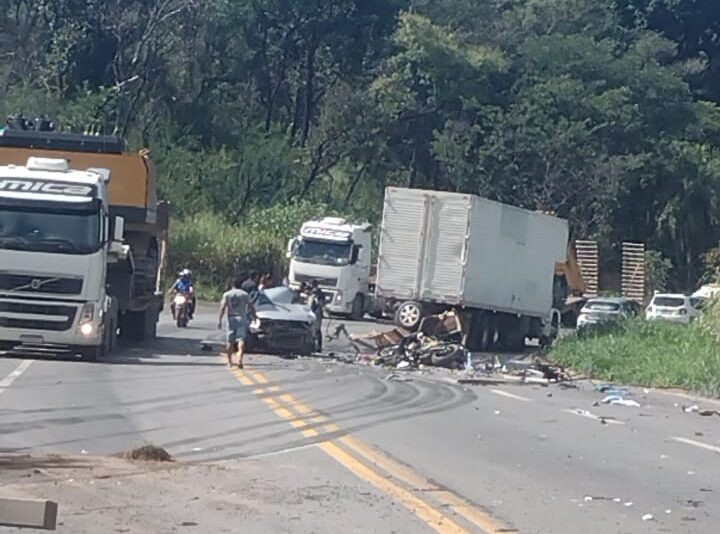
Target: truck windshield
[
  {"x": 75, "y": 231},
  {"x": 322, "y": 252}
]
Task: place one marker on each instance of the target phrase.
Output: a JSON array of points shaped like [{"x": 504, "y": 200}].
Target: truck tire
[
  {"x": 93, "y": 354},
  {"x": 135, "y": 325},
  {"x": 358, "y": 308},
  {"x": 409, "y": 314}
]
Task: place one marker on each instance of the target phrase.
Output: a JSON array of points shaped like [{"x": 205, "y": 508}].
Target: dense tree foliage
[{"x": 604, "y": 111}]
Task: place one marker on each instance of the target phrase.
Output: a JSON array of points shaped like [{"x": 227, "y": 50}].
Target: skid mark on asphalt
[
  {"x": 9, "y": 379},
  {"x": 375, "y": 467},
  {"x": 509, "y": 395},
  {"x": 698, "y": 444}
]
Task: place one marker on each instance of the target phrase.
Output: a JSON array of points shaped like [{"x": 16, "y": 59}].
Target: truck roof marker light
[
  {"x": 103, "y": 173},
  {"x": 48, "y": 164}
]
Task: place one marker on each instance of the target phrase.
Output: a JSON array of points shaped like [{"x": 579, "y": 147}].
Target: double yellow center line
[{"x": 367, "y": 463}]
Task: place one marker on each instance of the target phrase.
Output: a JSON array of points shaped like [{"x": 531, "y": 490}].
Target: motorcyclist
[{"x": 184, "y": 286}]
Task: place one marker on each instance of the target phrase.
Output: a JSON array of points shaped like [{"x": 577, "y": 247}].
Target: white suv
[{"x": 673, "y": 307}]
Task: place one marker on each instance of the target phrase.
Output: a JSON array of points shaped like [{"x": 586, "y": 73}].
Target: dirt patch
[{"x": 148, "y": 453}]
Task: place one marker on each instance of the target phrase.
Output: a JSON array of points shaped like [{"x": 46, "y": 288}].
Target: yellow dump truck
[
  {"x": 569, "y": 288},
  {"x": 47, "y": 255}
]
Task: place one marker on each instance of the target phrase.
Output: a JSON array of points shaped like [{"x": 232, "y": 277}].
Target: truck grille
[
  {"x": 59, "y": 318},
  {"x": 325, "y": 282},
  {"x": 25, "y": 283}
]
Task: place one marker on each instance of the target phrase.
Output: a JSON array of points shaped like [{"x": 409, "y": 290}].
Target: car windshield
[
  {"x": 602, "y": 306},
  {"x": 322, "y": 252},
  {"x": 698, "y": 302},
  {"x": 72, "y": 231},
  {"x": 278, "y": 295},
  {"x": 669, "y": 302}
]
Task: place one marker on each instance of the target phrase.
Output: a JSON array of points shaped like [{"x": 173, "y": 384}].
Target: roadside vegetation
[{"x": 653, "y": 354}]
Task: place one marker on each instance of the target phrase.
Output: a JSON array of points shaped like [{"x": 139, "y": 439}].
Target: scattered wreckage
[{"x": 437, "y": 343}]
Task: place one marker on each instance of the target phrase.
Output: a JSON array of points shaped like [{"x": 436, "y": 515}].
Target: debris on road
[
  {"x": 703, "y": 412},
  {"x": 436, "y": 343},
  {"x": 619, "y": 401},
  {"x": 610, "y": 389},
  {"x": 148, "y": 453},
  {"x": 648, "y": 517}
]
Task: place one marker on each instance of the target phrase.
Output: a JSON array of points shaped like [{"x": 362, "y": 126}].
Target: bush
[
  {"x": 217, "y": 251},
  {"x": 650, "y": 354}
]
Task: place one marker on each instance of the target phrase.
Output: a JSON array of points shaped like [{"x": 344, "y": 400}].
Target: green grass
[{"x": 649, "y": 354}]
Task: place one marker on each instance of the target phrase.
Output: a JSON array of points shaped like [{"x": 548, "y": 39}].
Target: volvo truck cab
[
  {"x": 56, "y": 240},
  {"x": 337, "y": 254}
]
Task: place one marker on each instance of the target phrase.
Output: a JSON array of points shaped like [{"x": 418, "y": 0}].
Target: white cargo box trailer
[{"x": 441, "y": 250}]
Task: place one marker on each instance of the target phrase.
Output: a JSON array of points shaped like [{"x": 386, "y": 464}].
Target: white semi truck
[
  {"x": 56, "y": 240},
  {"x": 337, "y": 254},
  {"x": 493, "y": 262}
]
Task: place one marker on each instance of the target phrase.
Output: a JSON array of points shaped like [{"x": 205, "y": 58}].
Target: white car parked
[
  {"x": 608, "y": 309},
  {"x": 673, "y": 307}
]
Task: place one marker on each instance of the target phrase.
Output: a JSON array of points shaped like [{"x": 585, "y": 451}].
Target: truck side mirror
[
  {"x": 119, "y": 229},
  {"x": 290, "y": 247}
]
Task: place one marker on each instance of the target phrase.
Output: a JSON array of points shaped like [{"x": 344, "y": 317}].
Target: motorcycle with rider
[{"x": 182, "y": 304}]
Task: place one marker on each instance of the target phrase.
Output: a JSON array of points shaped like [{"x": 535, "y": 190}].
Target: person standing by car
[
  {"x": 266, "y": 282},
  {"x": 240, "y": 310},
  {"x": 316, "y": 301},
  {"x": 250, "y": 285}
]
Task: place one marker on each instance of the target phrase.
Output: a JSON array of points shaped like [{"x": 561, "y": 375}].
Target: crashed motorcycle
[{"x": 181, "y": 309}]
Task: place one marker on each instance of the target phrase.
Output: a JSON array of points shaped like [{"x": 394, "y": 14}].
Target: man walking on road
[{"x": 239, "y": 308}]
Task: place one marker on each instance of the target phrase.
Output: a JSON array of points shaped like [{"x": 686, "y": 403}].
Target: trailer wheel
[{"x": 409, "y": 314}]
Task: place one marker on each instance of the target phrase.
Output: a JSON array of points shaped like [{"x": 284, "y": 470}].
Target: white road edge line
[
  {"x": 510, "y": 395},
  {"x": 9, "y": 379},
  {"x": 694, "y": 443},
  {"x": 588, "y": 415}
]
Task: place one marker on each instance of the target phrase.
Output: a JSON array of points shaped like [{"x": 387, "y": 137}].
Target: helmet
[{"x": 186, "y": 273}]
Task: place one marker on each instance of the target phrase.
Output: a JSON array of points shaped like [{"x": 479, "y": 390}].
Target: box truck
[{"x": 493, "y": 262}]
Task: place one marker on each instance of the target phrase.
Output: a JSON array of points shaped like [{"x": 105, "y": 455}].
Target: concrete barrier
[{"x": 28, "y": 513}]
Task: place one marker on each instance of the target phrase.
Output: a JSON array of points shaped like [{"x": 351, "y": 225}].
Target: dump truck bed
[{"x": 132, "y": 186}]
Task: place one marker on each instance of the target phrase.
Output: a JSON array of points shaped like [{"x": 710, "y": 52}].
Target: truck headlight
[
  {"x": 338, "y": 297},
  {"x": 88, "y": 313},
  {"x": 86, "y": 329}
]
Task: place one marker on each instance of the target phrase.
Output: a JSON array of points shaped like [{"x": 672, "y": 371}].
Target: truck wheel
[
  {"x": 91, "y": 354},
  {"x": 409, "y": 315},
  {"x": 135, "y": 325},
  {"x": 358, "y": 308}
]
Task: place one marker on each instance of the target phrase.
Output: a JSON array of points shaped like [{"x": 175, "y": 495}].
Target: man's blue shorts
[{"x": 237, "y": 329}]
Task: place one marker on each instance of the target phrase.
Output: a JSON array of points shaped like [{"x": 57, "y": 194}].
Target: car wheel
[{"x": 409, "y": 315}]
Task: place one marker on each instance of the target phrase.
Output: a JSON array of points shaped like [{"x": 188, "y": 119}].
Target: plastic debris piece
[{"x": 648, "y": 517}]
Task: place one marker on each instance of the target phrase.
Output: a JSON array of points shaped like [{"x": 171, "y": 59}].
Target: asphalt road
[{"x": 419, "y": 454}]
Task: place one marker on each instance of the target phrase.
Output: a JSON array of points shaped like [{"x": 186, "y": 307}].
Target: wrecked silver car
[{"x": 284, "y": 324}]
